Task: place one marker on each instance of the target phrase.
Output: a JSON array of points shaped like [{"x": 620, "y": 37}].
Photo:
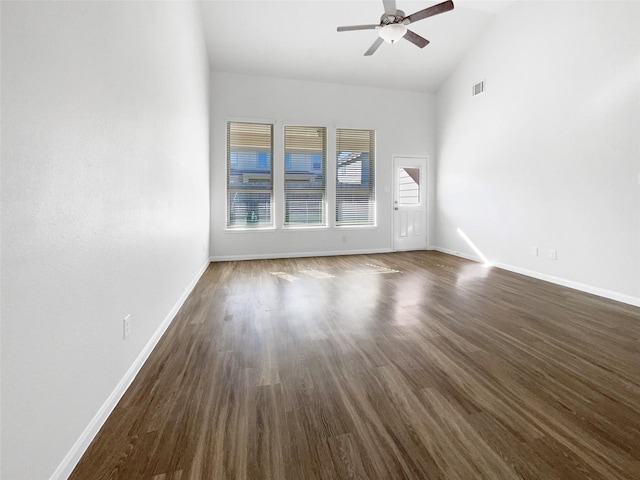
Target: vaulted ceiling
[{"x": 298, "y": 39}]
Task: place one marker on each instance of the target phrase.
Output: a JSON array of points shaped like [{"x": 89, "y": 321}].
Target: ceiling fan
[{"x": 393, "y": 24}]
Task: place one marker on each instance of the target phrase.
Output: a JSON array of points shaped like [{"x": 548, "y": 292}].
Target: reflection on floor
[{"x": 366, "y": 269}]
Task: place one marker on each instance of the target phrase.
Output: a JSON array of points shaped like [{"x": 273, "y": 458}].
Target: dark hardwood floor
[{"x": 413, "y": 365}]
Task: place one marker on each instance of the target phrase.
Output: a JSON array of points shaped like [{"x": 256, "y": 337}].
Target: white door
[{"x": 409, "y": 203}]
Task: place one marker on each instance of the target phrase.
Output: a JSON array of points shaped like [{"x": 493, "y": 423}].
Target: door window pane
[{"x": 408, "y": 186}]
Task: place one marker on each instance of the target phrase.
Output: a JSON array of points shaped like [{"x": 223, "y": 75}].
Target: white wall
[
  {"x": 104, "y": 206},
  {"x": 404, "y": 124},
  {"x": 549, "y": 155}
]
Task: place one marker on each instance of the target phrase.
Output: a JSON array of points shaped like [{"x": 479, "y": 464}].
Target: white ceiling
[{"x": 298, "y": 39}]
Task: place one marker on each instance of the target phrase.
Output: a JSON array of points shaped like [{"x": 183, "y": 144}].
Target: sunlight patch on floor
[
  {"x": 316, "y": 274},
  {"x": 285, "y": 276},
  {"x": 372, "y": 269}
]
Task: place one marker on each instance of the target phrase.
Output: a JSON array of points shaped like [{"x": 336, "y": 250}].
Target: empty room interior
[{"x": 375, "y": 239}]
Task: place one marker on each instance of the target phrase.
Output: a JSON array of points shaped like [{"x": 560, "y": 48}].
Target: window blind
[
  {"x": 305, "y": 152},
  {"x": 249, "y": 175},
  {"x": 355, "y": 177}
]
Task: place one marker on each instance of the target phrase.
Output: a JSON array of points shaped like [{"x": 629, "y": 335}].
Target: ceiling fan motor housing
[{"x": 391, "y": 19}]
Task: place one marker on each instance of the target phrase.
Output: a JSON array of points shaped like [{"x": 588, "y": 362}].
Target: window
[
  {"x": 408, "y": 186},
  {"x": 305, "y": 153},
  {"x": 249, "y": 175},
  {"x": 355, "y": 177}
]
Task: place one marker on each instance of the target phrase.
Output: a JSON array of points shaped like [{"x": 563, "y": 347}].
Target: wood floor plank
[{"x": 412, "y": 365}]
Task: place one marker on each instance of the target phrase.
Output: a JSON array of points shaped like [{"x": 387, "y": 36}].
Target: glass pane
[
  {"x": 354, "y": 208},
  {"x": 304, "y": 208},
  {"x": 408, "y": 186},
  {"x": 249, "y": 209},
  {"x": 250, "y": 170},
  {"x": 304, "y": 175},
  {"x": 303, "y": 172},
  {"x": 355, "y": 177},
  {"x": 249, "y": 174}
]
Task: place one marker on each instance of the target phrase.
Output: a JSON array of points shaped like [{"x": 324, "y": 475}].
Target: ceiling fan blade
[
  {"x": 379, "y": 41},
  {"x": 389, "y": 7},
  {"x": 416, "y": 39},
  {"x": 357, "y": 27},
  {"x": 429, "y": 12}
]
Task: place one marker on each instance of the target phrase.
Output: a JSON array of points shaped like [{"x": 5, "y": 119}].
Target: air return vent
[{"x": 478, "y": 88}]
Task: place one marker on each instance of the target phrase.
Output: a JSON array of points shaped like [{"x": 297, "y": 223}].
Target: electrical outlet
[
  {"x": 534, "y": 251},
  {"x": 126, "y": 326},
  {"x": 553, "y": 254}
]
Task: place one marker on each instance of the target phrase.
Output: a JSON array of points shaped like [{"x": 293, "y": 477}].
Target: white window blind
[
  {"x": 355, "y": 177},
  {"x": 249, "y": 175},
  {"x": 305, "y": 154}
]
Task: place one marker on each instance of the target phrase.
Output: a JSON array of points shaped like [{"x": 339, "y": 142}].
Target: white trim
[
  {"x": 583, "y": 287},
  {"x": 250, "y": 230},
  {"x": 268, "y": 256},
  {"x": 601, "y": 292},
  {"x": 80, "y": 446},
  {"x": 362, "y": 226},
  {"x": 468, "y": 256}
]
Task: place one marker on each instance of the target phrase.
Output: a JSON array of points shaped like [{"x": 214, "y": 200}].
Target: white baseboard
[
  {"x": 601, "y": 292},
  {"x": 468, "y": 256},
  {"x": 266, "y": 256},
  {"x": 73, "y": 456}
]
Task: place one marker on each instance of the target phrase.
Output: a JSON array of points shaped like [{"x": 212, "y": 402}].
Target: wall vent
[{"x": 478, "y": 88}]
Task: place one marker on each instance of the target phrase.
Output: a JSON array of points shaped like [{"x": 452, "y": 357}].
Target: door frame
[{"x": 428, "y": 196}]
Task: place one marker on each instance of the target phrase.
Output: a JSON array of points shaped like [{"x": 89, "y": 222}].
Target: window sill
[
  {"x": 358, "y": 227},
  {"x": 250, "y": 229},
  {"x": 308, "y": 228},
  {"x": 319, "y": 228}
]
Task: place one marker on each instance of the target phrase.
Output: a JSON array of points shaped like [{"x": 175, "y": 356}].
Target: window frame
[
  {"x": 260, "y": 226},
  {"x": 288, "y": 162},
  {"x": 372, "y": 179},
  {"x": 278, "y": 168}
]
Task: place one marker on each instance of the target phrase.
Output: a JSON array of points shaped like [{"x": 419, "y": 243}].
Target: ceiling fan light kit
[
  {"x": 393, "y": 24},
  {"x": 393, "y": 32}
]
